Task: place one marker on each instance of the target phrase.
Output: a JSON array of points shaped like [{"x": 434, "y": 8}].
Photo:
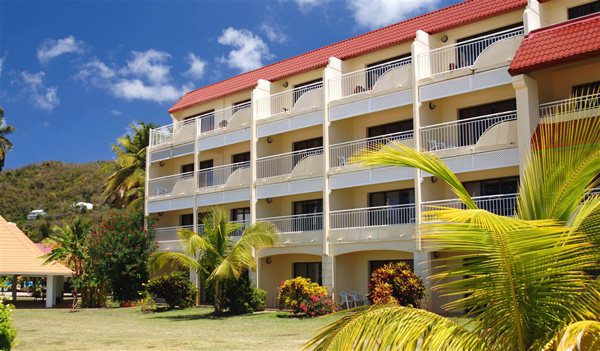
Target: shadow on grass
[{"x": 193, "y": 316}]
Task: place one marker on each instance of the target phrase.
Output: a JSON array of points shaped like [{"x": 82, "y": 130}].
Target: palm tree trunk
[
  {"x": 218, "y": 303},
  {"x": 198, "y": 286}
]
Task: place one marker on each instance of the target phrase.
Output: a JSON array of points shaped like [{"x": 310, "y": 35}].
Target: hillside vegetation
[{"x": 53, "y": 186}]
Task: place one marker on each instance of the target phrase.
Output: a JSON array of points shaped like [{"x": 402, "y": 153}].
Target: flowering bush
[
  {"x": 8, "y": 333},
  {"x": 306, "y": 297},
  {"x": 119, "y": 254},
  {"x": 175, "y": 288},
  {"x": 396, "y": 283}
]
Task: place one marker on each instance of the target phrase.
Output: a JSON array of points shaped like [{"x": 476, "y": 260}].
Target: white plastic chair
[
  {"x": 341, "y": 161},
  {"x": 358, "y": 298},
  {"x": 347, "y": 299}
]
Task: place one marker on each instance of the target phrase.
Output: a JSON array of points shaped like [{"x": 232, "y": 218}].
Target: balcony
[
  {"x": 571, "y": 109},
  {"x": 302, "y": 229},
  {"x": 483, "y": 53},
  {"x": 228, "y": 119},
  {"x": 503, "y": 205},
  {"x": 167, "y": 238},
  {"x": 178, "y": 184},
  {"x": 292, "y": 165},
  {"x": 477, "y": 134},
  {"x": 292, "y": 102},
  {"x": 342, "y": 152},
  {"x": 226, "y": 176}
]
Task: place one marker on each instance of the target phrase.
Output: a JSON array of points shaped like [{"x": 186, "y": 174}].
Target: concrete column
[
  {"x": 528, "y": 114},
  {"x": 533, "y": 16},
  {"x": 254, "y": 276},
  {"x": 423, "y": 269},
  {"x": 50, "y": 291},
  {"x": 328, "y": 272}
]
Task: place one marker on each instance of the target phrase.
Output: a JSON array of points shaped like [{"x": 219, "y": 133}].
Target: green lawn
[{"x": 130, "y": 329}]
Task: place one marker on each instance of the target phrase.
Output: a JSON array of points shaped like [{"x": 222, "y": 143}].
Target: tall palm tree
[
  {"x": 69, "y": 249},
  {"x": 525, "y": 285},
  {"x": 5, "y": 144},
  {"x": 126, "y": 183},
  {"x": 214, "y": 256}
]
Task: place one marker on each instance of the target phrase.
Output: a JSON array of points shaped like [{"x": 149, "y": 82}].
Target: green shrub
[
  {"x": 305, "y": 297},
  {"x": 396, "y": 283},
  {"x": 242, "y": 298},
  {"x": 176, "y": 289},
  {"x": 8, "y": 333}
]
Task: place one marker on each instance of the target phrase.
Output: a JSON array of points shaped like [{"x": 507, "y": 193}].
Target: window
[
  {"x": 395, "y": 215},
  {"x": 243, "y": 157},
  {"x": 205, "y": 178},
  {"x": 186, "y": 219},
  {"x": 467, "y": 53},
  {"x": 298, "y": 93},
  {"x": 308, "y": 208},
  {"x": 304, "y": 145},
  {"x": 238, "y": 106},
  {"x": 587, "y": 89},
  {"x": 311, "y": 270},
  {"x": 187, "y": 168},
  {"x": 500, "y": 186},
  {"x": 396, "y": 127},
  {"x": 469, "y": 133},
  {"x": 373, "y": 73},
  {"x": 207, "y": 122},
  {"x": 584, "y": 10},
  {"x": 241, "y": 215}
]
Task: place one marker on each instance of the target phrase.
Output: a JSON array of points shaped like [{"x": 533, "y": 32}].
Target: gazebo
[{"x": 20, "y": 257}]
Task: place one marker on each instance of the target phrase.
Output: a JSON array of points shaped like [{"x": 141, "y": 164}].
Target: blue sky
[{"x": 75, "y": 74}]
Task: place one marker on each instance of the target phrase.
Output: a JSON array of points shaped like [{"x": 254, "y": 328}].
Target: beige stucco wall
[
  {"x": 282, "y": 206},
  {"x": 223, "y": 155},
  {"x": 217, "y": 104},
  {"x": 170, "y": 167},
  {"x": 556, "y": 11},
  {"x": 361, "y": 62},
  {"x": 556, "y": 84},
  {"x": 284, "y": 142},
  {"x": 358, "y": 197}
]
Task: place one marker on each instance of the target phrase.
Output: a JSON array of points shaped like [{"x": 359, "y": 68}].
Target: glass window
[
  {"x": 490, "y": 187},
  {"x": 207, "y": 122},
  {"x": 205, "y": 178},
  {"x": 240, "y": 105},
  {"x": 308, "y": 222},
  {"x": 311, "y": 270},
  {"x": 243, "y": 157},
  {"x": 187, "y": 219},
  {"x": 396, "y": 127},
  {"x": 396, "y": 215},
  {"x": 584, "y": 10},
  {"x": 187, "y": 168},
  {"x": 469, "y": 133}
]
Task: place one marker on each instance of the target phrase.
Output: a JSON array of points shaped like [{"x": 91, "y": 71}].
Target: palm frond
[{"x": 159, "y": 260}]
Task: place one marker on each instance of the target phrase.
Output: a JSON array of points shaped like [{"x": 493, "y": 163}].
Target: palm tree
[
  {"x": 5, "y": 144},
  {"x": 214, "y": 256},
  {"x": 525, "y": 285},
  {"x": 126, "y": 183},
  {"x": 69, "y": 248}
]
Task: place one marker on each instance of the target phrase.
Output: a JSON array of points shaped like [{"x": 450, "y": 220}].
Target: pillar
[
  {"x": 13, "y": 287},
  {"x": 50, "y": 291},
  {"x": 528, "y": 114},
  {"x": 423, "y": 267},
  {"x": 328, "y": 276}
]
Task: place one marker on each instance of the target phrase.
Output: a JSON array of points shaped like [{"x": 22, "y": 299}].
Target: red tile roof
[
  {"x": 558, "y": 44},
  {"x": 434, "y": 22}
]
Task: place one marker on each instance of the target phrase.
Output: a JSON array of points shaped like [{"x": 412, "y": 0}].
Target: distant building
[
  {"x": 35, "y": 213},
  {"x": 82, "y": 205}
]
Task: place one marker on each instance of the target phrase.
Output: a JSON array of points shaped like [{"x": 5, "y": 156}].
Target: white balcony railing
[
  {"x": 215, "y": 176},
  {"x": 464, "y": 54},
  {"x": 282, "y": 164},
  {"x": 167, "y": 238},
  {"x": 460, "y": 133},
  {"x": 340, "y": 153},
  {"x": 566, "y": 106},
  {"x": 185, "y": 130},
  {"x": 168, "y": 185},
  {"x": 236, "y": 233},
  {"x": 373, "y": 216},
  {"x": 503, "y": 205},
  {"x": 296, "y": 223},
  {"x": 283, "y": 102},
  {"x": 363, "y": 80}
]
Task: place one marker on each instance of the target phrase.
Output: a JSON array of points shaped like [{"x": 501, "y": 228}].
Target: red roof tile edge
[
  {"x": 517, "y": 67},
  {"x": 187, "y": 101}
]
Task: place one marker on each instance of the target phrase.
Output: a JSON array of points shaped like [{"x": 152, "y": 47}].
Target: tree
[
  {"x": 69, "y": 249},
  {"x": 525, "y": 285},
  {"x": 5, "y": 144},
  {"x": 126, "y": 183},
  {"x": 214, "y": 256}
]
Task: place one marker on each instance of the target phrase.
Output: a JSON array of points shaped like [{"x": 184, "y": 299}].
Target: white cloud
[
  {"x": 51, "y": 48},
  {"x": 149, "y": 64},
  {"x": 273, "y": 34},
  {"x": 132, "y": 89},
  {"x": 95, "y": 72},
  {"x": 249, "y": 52},
  {"x": 1, "y": 64},
  {"x": 116, "y": 112},
  {"x": 375, "y": 14},
  {"x": 306, "y": 5},
  {"x": 46, "y": 124},
  {"x": 42, "y": 97},
  {"x": 197, "y": 66}
]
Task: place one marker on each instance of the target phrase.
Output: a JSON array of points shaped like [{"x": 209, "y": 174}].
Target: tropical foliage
[
  {"x": 305, "y": 297},
  {"x": 8, "y": 333},
  {"x": 118, "y": 254},
  {"x": 126, "y": 182},
  {"x": 525, "y": 285},
  {"x": 176, "y": 289},
  {"x": 5, "y": 144},
  {"x": 242, "y": 297},
  {"x": 214, "y": 256},
  {"x": 396, "y": 283},
  {"x": 69, "y": 248}
]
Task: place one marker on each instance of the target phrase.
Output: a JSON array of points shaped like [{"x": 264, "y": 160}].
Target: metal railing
[
  {"x": 373, "y": 216},
  {"x": 283, "y": 102},
  {"x": 165, "y": 185},
  {"x": 240, "y": 230},
  {"x": 463, "y": 132},
  {"x": 362, "y": 80},
  {"x": 161, "y": 135},
  {"x": 464, "y": 54},
  {"x": 503, "y": 204},
  {"x": 587, "y": 102},
  {"x": 297, "y": 223},
  {"x": 167, "y": 237},
  {"x": 282, "y": 164},
  {"x": 218, "y": 175},
  {"x": 341, "y": 153}
]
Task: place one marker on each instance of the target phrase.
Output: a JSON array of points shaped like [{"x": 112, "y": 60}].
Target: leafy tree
[
  {"x": 5, "y": 144},
  {"x": 175, "y": 288},
  {"x": 119, "y": 254},
  {"x": 69, "y": 249},
  {"x": 525, "y": 285},
  {"x": 214, "y": 256},
  {"x": 126, "y": 182}
]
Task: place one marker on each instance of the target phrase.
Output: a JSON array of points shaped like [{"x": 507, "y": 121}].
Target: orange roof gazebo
[{"x": 20, "y": 256}]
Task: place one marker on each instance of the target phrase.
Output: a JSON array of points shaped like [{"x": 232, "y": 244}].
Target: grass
[{"x": 190, "y": 329}]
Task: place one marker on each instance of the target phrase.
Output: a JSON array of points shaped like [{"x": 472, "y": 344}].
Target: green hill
[{"x": 53, "y": 186}]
